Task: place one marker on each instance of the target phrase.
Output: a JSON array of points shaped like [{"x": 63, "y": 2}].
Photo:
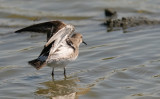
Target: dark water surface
[{"x": 114, "y": 65}]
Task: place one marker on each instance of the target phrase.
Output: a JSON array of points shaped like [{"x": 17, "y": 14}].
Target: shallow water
[{"x": 114, "y": 65}]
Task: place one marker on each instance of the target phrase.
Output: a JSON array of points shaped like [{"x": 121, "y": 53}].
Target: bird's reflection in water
[{"x": 60, "y": 89}]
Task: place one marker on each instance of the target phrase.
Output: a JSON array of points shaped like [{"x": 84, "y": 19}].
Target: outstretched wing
[
  {"x": 59, "y": 37},
  {"x": 50, "y": 28}
]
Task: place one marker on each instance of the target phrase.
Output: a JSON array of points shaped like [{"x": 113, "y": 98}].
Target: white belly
[
  {"x": 58, "y": 64},
  {"x": 61, "y": 57}
]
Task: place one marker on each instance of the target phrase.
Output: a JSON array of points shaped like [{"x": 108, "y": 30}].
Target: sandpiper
[{"x": 62, "y": 44}]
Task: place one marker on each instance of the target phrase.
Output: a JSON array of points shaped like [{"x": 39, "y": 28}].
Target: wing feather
[
  {"x": 60, "y": 36},
  {"x": 50, "y": 28}
]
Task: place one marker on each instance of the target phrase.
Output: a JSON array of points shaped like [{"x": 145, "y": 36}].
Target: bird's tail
[{"x": 37, "y": 63}]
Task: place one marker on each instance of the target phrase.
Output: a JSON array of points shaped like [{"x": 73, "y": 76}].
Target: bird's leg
[
  {"x": 52, "y": 74},
  {"x": 65, "y": 72}
]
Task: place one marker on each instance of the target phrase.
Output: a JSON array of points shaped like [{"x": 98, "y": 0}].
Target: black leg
[
  {"x": 52, "y": 73},
  {"x": 65, "y": 72}
]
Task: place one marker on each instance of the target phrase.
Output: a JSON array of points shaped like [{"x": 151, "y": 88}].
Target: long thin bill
[{"x": 84, "y": 42}]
